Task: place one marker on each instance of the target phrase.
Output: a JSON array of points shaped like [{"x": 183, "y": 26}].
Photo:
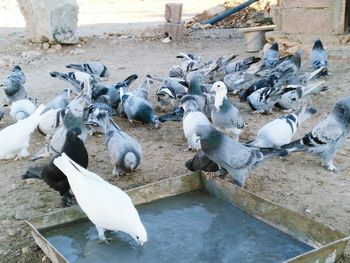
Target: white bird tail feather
[{"x": 314, "y": 87}]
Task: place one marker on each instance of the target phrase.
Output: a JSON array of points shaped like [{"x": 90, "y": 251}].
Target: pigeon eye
[{"x": 137, "y": 237}]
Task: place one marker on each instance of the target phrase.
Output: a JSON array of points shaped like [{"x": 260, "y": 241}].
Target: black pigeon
[{"x": 74, "y": 147}]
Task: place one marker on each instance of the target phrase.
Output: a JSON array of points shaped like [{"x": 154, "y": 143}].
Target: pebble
[
  {"x": 46, "y": 45},
  {"x": 25, "y": 250},
  {"x": 44, "y": 258},
  {"x": 79, "y": 51},
  {"x": 58, "y": 47},
  {"x": 11, "y": 232},
  {"x": 31, "y": 54},
  {"x": 30, "y": 181}
]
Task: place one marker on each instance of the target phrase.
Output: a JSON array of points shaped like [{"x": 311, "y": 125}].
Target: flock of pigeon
[{"x": 196, "y": 92}]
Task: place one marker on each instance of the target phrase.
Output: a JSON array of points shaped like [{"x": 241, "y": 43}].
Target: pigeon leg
[
  {"x": 102, "y": 237},
  {"x": 23, "y": 153},
  {"x": 116, "y": 171},
  {"x": 330, "y": 165}
]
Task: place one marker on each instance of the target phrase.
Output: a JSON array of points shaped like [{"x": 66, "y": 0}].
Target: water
[{"x": 192, "y": 227}]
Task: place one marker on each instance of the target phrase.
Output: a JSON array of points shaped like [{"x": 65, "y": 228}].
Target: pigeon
[
  {"x": 2, "y": 113},
  {"x": 100, "y": 105},
  {"x": 14, "y": 85},
  {"x": 319, "y": 56},
  {"x": 14, "y": 139},
  {"x": 237, "y": 159},
  {"x": 328, "y": 136},
  {"x": 93, "y": 68},
  {"x": 74, "y": 148},
  {"x": 50, "y": 123},
  {"x": 142, "y": 91},
  {"x": 224, "y": 115},
  {"x": 73, "y": 117},
  {"x": 240, "y": 65},
  {"x": 290, "y": 66},
  {"x": 61, "y": 101},
  {"x": 192, "y": 118},
  {"x": 177, "y": 72},
  {"x": 113, "y": 92},
  {"x": 108, "y": 207},
  {"x": 176, "y": 115},
  {"x": 267, "y": 82},
  {"x": 281, "y": 130},
  {"x": 137, "y": 108},
  {"x": 235, "y": 81},
  {"x": 21, "y": 109},
  {"x": 297, "y": 93},
  {"x": 271, "y": 56},
  {"x": 263, "y": 100},
  {"x": 77, "y": 83},
  {"x": 123, "y": 150},
  {"x": 201, "y": 162}
]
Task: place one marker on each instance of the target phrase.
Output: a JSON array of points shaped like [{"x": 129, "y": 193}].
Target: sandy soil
[{"x": 298, "y": 182}]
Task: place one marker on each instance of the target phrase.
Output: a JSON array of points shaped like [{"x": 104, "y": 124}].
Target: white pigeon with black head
[{"x": 107, "y": 206}]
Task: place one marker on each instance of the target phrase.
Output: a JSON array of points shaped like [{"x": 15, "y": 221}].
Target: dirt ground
[{"x": 298, "y": 182}]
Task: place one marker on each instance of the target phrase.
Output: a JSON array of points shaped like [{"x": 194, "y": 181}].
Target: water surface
[{"x": 191, "y": 227}]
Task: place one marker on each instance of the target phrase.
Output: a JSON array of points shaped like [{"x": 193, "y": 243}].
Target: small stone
[
  {"x": 79, "y": 45},
  {"x": 31, "y": 54},
  {"x": 46, "y": 45},
  {"x": 11, "y": 232},
  {"x": 25, "y": 250},
  {"x": 30, "y": 181},
  {"x": 79, "y": 51},
  {"x": 44, "y": 258},
  {"x": 58, "y": 47}
]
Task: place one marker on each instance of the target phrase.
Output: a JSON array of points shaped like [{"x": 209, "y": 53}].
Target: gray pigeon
[
  {"x": 290, "y": 66},
  {"x": 192, "y": 118},
  {"x": 237, "y": 159},
  {"x": 61, "y": 101},
  {"x": 142, "y": 91},
  {"x": 224, "y": 115},
  {"x": 93, "y": 68},
  {"x": 240, "y": 65},
  {"x": 101, "y": 104},
  {"x": 319, "y": 56},
  {"x": 123, "y": 150},
  {"x": 74, "y": 78},
  {"x": 73, "y": 118},
  {"x": 14, "y": 85},
  {"x": 137, "y": 108},
  {"x": 328, "y": 136},
  {"x": 271, "y": 56},
  {"x": 113, "y": 92},
  {"x": 201, "y": 162}
]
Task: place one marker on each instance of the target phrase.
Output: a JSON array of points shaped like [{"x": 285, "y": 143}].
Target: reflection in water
[{"x": 192, "y": 227}]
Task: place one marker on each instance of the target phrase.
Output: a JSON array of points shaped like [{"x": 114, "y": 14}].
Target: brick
[
  {"x": 173, "y": 12},
  {"x": 311, "y": 21},
  {"x": 306, "y": 3},
  {"x": 174, "y": 31}
]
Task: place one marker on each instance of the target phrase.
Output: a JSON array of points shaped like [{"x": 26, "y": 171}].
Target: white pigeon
[
  {"x": 21, "y": 109},
  {"x": 14, "y": 139},
  {"x": 281, "y": 130},
  {"x": 107, "y": 206},
  {"x": 192, "y": 118}
]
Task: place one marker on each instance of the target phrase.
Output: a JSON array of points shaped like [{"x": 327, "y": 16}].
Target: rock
[
  {"x": 58, "y": 47},
  {"x": 215, "y": 10},
  {"x": 78, "y": 51},
  {"x": 25, "y": 250},
  {"x": 30, "y": 181},
  {"x": 31, "y": 54},
  {"x": 44, "y": 258},
  {"x": 48, "y": 20},
  {"x": 11, "y": 232},
  {"x": 46, "y": 45}
]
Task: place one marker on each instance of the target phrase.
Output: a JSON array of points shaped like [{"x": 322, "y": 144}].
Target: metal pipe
[{"x": 229, "y": 12}]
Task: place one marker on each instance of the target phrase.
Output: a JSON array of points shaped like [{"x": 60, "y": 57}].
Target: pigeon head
[
  {"x": 17, "y": 67},
  {"x": 138, "y": 232},
  {"x": 188, "y": 102},
  {"x": 341, "y": 111},
  {"x": 195, "y": 85},
  {"x": 274, "y": 46},
  {"x": 131, "y": 161},
  {"x": 219, "y": 87},
  {"x": 76, "y": 109},
  {"x": 318, "y": 44}
]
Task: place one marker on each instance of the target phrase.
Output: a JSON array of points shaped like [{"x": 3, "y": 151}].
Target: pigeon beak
[{"x": 212, "y": 89}]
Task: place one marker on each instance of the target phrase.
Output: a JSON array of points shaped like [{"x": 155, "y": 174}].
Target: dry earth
[{"x": 298, "y": 182}]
